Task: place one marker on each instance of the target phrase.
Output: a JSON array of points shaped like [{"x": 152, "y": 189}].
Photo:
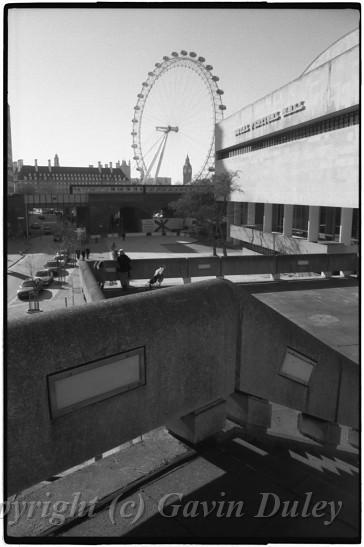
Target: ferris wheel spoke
[{"x": 194, "y": 140}]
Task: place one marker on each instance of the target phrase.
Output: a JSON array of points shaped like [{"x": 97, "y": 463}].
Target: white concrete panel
[
  {"x": 330, "y": 88},
  {"x": 318, "y": 170}
]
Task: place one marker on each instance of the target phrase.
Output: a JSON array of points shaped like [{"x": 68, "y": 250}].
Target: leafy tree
[
  {"x": 207, "y": 203},
  {"x": 69, "y": 238}
]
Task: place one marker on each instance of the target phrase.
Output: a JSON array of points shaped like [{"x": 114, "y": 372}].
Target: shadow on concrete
[
  {"x": 246, "y": 471},
  {"x": 18, "y": 275},
  {"x": 45, "y": 294},
  {"x": 61, "y": 273},
  {"x": 118, "y": 291}
]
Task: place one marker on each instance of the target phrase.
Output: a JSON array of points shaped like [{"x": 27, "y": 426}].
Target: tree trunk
[
  {"x": 222, "y": 239},
  {"x": 213, "y": 240}
]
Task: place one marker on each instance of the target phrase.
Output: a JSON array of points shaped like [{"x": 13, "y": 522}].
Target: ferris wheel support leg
[
  {"x": 145, "y": 179},
  {"x": 160, "y": 159}
]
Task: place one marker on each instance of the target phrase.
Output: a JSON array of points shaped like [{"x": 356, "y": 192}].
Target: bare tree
[{"x": 207, "y": 203}]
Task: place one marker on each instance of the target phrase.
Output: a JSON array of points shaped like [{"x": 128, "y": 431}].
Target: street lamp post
[{"x": 26, "y": 221}]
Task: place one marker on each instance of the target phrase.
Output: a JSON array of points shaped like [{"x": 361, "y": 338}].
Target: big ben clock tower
[{"x": 187, "y": 171}]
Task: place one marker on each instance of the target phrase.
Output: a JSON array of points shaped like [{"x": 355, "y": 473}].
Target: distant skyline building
[
  {"x": 296, "y": 153},
  {"x": 57, "y": 179},
  {"x": 187, "y": 171}
]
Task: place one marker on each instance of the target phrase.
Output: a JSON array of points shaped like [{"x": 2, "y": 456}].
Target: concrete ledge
[
  {"x": 89, "y": 285},
  {"x": 92, "y": 485},
  {"x": 319, "y": 430},
  {"x": 200, "y": 424},
  {"x": 354, "y": 438},
  {"x": 249, "y": 410}
]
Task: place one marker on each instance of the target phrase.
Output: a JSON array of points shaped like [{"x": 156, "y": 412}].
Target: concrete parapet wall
[
  {"x": 332, "y": 390},
  {"x": 249, "y": 264},
  {"x": 189, "y": 338},
  {"x": 201, "y": 266},
  {"x": 145, "y": 268},
  {"x": 230, "y": 265},
  {"x": 89, "y": 279}
]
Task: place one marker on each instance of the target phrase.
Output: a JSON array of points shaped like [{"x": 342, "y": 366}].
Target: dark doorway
[{"x": 130, "y": 219}]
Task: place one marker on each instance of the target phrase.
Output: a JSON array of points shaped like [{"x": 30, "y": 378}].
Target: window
[{"x": 297, "y": 367}]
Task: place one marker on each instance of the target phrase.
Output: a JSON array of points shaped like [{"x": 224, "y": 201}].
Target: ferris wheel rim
[{"x": 204, "y": 71}]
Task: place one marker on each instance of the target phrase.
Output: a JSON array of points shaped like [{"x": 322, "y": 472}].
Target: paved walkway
[
  {"x": 245, "y": 484},
  {"x": 68, "y": 292}
]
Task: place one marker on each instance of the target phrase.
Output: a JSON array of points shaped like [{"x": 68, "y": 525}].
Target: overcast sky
[{"x": 74, "y": 74}]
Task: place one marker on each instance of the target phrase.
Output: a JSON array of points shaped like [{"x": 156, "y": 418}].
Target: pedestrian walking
[
  {"x": 124, "y": 267},
  {"x": 87, "y": 253},
  {"x": 78, "y": 254},
  {"x": 158, "y": 277},
  {"x": 123, "y": 236},
  {"x": 99, "y": 264},
  {"x": 114, "y": 254},
  {"x": 83, "y": 254}
]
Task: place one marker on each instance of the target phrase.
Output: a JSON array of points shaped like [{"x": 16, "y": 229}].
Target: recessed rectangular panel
[
  {"x": 204, "y": 266},
  {"x": 92, "y": 382},
  {"x": 297, "y": 367}
]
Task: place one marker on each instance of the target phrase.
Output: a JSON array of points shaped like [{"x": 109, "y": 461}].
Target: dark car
[
  {"x": 53, "y": 266},
  {"x": 29, "y": 288},
  {"x": 45, "y": 277},
  {"x": 35, "y": 226}
]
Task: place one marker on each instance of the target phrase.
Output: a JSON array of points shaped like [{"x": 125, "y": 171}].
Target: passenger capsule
[
  {"x": 222, "y": 107},
  {"x": 183, "y": 52},
  {"x": 202, "y": 59},
  {"x": 193, "y": 54},
  {"x": 174, "y": 54},
  {"x": 209, "y": 67},
  {"x": 219, "y": 92},
  {"x": 165, "y": 58}
]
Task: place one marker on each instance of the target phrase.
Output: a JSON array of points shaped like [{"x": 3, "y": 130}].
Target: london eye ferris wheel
[{"x": 175, "y": 115}]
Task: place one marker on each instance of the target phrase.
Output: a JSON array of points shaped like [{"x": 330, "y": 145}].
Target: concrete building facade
[{"x": 296, "y": 152}]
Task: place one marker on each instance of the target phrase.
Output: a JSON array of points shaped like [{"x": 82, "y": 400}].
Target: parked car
[
  {"x": 29, "y": 288},
  {"x": 45, "y": 277},
  {"x": 61, "y": 259},
  {"x": 41, "y": 217},
  {"x": 35, "y": 226},
  {"x": 53, "y": 266}
]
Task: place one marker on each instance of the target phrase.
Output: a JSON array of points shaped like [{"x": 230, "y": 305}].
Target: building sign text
[{"x": 274, "y": 117}]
